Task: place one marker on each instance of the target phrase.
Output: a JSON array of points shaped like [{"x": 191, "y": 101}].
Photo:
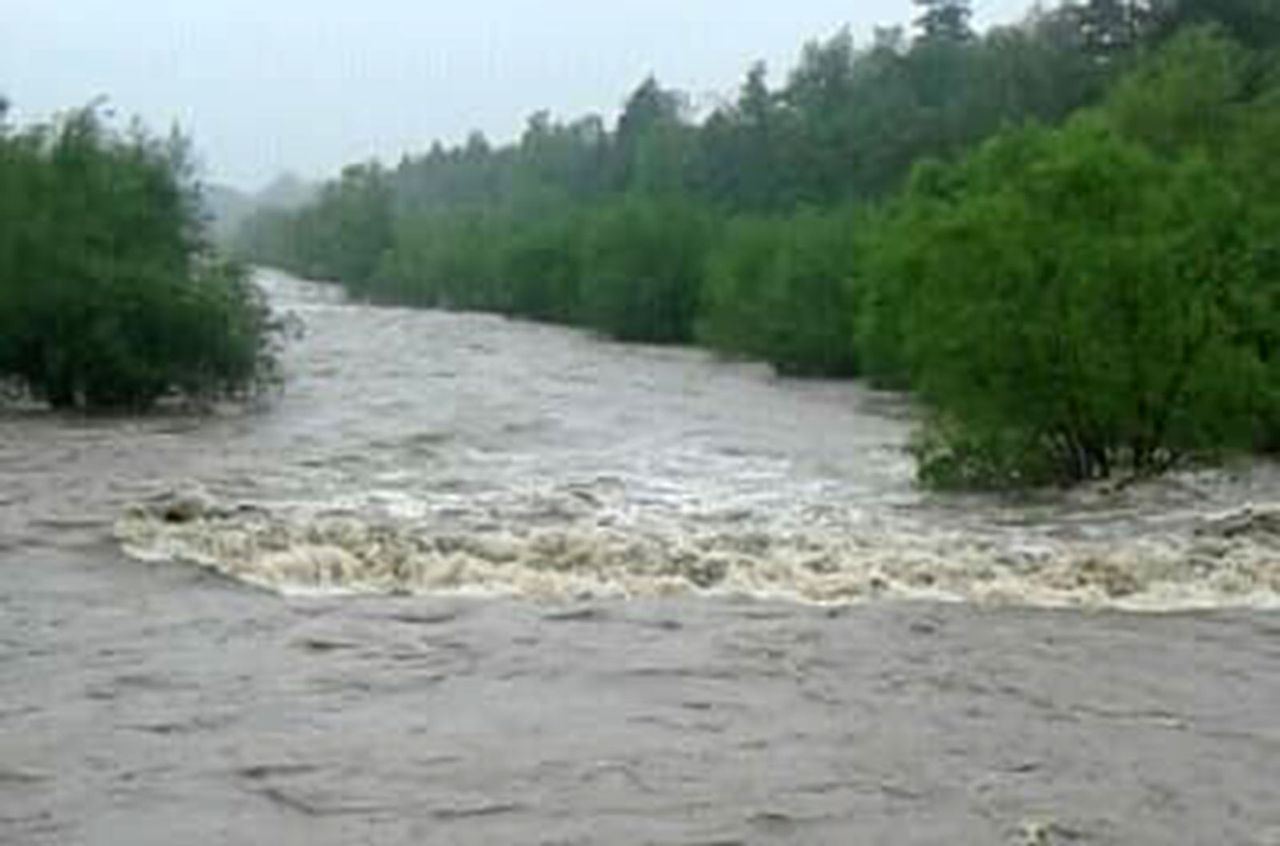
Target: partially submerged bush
[
  {"x": 1071, "y": 292},
  {"x": 541, "y": 264},
  {"x": 439, "y": 261},
  {"x": 642, "y": 263},
  {"x": 108, "y": 297},
  {"x": 955, "y": 457},
  {"x": 780, "y": 289}
]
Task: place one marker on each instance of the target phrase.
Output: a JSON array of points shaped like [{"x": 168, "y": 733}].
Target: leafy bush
[
  {"x": 438, "y": 260},
  {"x": 1038, "y": 304},
  {"x": 107, "y": 299},
  {"x": 540, "y": 269},
  {"x": 1189, "y": 95},
  {"x": 780, "y": 290},
  {"x": 1203, "y": 91},
  {"x": 957, "y": 457},
  {"x": 642, "y": 265}
]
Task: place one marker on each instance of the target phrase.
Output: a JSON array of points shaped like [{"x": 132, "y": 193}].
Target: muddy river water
[{"x": 470, "y": 580}]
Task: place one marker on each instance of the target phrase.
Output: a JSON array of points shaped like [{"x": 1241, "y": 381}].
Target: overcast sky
[{"x": 306, "y": 86}]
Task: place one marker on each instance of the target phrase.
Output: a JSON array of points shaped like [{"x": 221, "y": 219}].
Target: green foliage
[
  {"x": 341, "y": 236},
  {"x": 641, "y": 269},
  {"x": 651, "y": 141},
  {"x": 1112, "y": 27},
  {"x": 630, "y": 269},
  {"x": 443, "y": 261},
  {"x": 1186, "y": 96},
  {"x": 1254, "y": 23},
  {"x": 1039, "y": 305},
  {"x": 892, "y": 263},
  {"x": 107, "y": 299},
  {"x": 541, "y": 264},
  {"x": 945, "y": 20},
  {"x": 780, "y": 289},
  {"x": 1205, "y": 92},
  {"x": 1098, "y": 293},
  {"x": 954, "y": 456}
]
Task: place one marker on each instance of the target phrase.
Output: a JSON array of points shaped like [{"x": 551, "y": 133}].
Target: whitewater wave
[{"x": 580, "y": 550}]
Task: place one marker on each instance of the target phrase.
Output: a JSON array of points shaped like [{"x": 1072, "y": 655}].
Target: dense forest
[
  {"x": 109, "y": 294},
  {"x": 1062, "y": 234}
]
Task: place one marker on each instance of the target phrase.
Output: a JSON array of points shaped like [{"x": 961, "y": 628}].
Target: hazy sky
[{"x": 309, "y": 85}]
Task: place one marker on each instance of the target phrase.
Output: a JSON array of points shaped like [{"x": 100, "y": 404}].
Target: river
[{"x": 471, "y": 580}]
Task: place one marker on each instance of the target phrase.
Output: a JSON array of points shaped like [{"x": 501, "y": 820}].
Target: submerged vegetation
[
  {"x": 1061, "y": 234},
  {"x": 109, "y": 298}
]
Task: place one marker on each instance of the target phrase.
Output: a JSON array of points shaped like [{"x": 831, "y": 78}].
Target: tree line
[
  {"x": 109, "y": 294},
  {"x": 1058, "y": 233}
]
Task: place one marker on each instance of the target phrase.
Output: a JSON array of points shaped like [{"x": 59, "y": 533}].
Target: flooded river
[{"x": 471, "y": 580}]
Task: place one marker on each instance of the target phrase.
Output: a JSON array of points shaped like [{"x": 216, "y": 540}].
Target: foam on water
[
  {"x": 590, "y": 550},
  {"x": 424, "y": 452}
]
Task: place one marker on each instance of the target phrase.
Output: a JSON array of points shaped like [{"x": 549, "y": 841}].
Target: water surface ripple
[
  {"x": 668, "y": 507},
  {"x": 428, "y": 452}
]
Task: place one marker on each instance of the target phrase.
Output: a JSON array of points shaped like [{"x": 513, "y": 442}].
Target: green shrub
[
  {"x": 107, "y": 298},
  {"x": 540, "y": 269},
  {"x": 642, "y": 263},
  {"x": 957, "y": 457},
  {"x": 780, "y": 289},
  {"x": 1039, "y": 304},
  {"x": 440, "y": 260}
]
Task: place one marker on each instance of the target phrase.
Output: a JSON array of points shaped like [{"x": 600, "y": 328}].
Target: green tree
[
  {"x": 1076, "y": 327},
  {"x": 945, "y": 20},
  {"x": 109, "y": 297},
  {"x": 1112, "y": 27},
  {"x": 780, "y": 289},
  {"x": 1254, "y": 23},
  {"x": 1056, "y": 295},
  {"x": 642, "y": 265},
  {"x": 647, "y": 141}
]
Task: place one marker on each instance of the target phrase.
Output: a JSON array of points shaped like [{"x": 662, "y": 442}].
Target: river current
[
  {"x": 474, "y": 581},
  {"x": 416, "y": 452}
]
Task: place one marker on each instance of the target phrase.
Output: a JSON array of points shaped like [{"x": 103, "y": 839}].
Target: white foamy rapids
[{"x": 1229, "y": 560}]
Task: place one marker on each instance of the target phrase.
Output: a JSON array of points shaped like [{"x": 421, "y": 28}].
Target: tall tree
[
  {"x": 1255, "y": 23},
  {"x": 1112, "y": 26},
  {"x": 819, "y": 100},
  {"x": 945, "y": 20},
  {"x": 647, "y": 121}
]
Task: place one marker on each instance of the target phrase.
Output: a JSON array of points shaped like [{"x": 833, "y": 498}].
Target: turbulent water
[
  {"x": 421, "y": 452},
  {"x": 151, "y": 700}
]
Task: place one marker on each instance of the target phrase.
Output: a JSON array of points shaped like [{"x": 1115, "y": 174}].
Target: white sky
[{"x": 266, "y": 86}]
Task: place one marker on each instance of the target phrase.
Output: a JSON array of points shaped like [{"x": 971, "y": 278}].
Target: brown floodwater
[{"x": 471, "y": 580}]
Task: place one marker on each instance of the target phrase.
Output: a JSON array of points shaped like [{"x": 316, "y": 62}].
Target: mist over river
[{"x": 526, "y": 586}]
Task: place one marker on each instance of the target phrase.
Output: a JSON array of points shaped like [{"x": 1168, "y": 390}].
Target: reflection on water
[{"x": 420, "y": 451}]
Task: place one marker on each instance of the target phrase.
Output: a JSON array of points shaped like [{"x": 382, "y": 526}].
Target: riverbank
[{"x": 472, "y": 454}]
